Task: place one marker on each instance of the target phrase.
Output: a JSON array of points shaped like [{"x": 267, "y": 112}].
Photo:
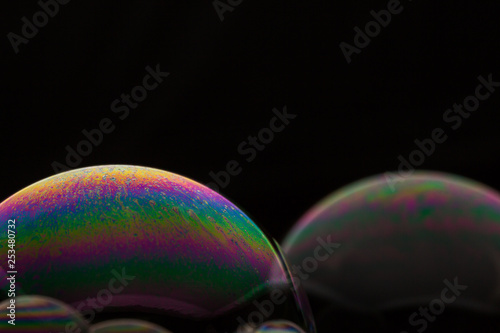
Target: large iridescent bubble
[
  {"x": 399, "y": 245},
  {"x": 112, "y": 240}
]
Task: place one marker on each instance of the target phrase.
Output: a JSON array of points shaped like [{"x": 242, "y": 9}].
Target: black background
[{"x": 353, "y": 120}]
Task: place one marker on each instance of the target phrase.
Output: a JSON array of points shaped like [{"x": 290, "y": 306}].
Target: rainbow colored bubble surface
[
  {"x": 399, "y": 243},
  {"x": 38, "y": 314},
  {"x": 127, "y": 326},
  {"x": 137, "y": 237}
]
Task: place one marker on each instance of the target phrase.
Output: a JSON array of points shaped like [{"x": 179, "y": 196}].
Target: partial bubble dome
[
  {"x": 279, "y": 326},
  {"x": 125, "y": 239},
  {"x": 127, "y": 326},
  {"x": 396, "y": 245},
  {"x": 39, "y": 314}
]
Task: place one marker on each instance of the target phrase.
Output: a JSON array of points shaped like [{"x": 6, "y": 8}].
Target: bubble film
[
  {"x": 398, "y": 244},
  {"x": 129, "y": 238},
  {"x": 127, "y": 326},
  {"x": 40, "y": 315},
  {"x": 279, "y": 326}
]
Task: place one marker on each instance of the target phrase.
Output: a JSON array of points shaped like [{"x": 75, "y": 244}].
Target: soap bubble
[
  {"x": 279, "y": 326},
  {"x": 114, "y": 240},
  {"x": 39, "y": 314},
  {"x": 126, "y": 326},
  {"x": 396, "y": 246}
]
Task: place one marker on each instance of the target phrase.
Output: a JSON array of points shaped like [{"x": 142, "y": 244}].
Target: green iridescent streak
[
  {"x": 74, "y": 227},
  {"x": 77, "y": 226},
  {"x": 176, "y": 272},
  {"x": 106, "y": 209},
  {"x": 153, "y": 277}
]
